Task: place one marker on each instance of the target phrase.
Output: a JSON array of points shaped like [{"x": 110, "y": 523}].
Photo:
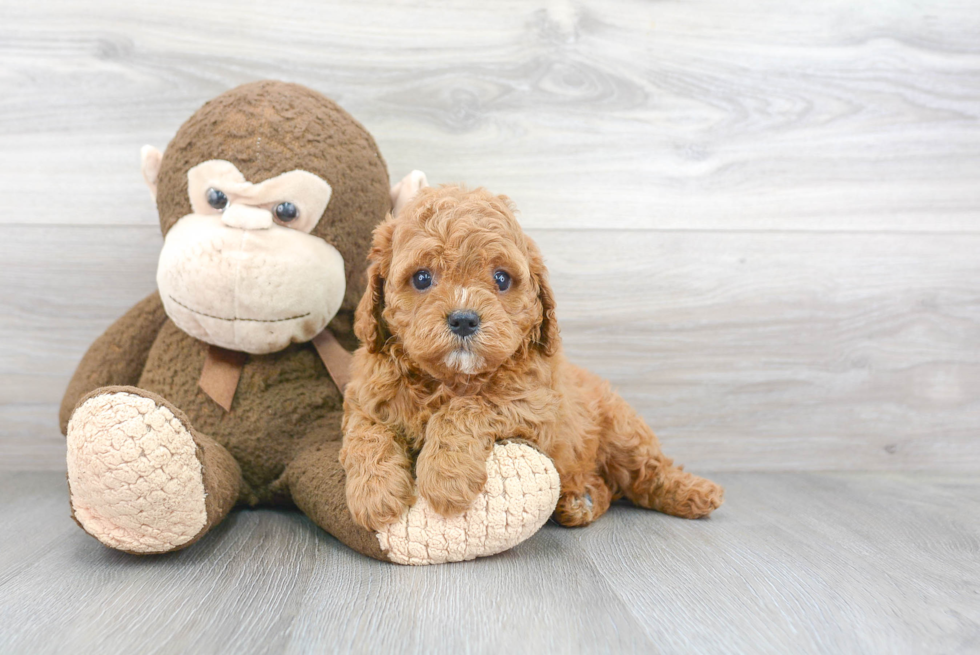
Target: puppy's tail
[{"x": 635, "y": 464}]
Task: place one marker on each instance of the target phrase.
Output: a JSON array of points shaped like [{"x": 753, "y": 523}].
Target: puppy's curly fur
[{"x": 422, "y": 394}]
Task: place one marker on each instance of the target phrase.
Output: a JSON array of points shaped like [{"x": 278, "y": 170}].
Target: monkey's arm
[{"x": 118, "y": 356}]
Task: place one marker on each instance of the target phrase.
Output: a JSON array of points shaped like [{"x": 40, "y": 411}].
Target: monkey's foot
[
  {"x": 134, "y": 476},
  {"x": 521, "y": 492}
]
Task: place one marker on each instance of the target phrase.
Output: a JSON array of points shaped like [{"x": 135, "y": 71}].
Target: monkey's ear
[
  {"x": 150, "y": 159},
  {"x": 369, "y": 323},
  {"x": 403, "y": 192}
]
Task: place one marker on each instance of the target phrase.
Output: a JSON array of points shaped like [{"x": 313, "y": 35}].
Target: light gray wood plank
[
  {"x": 272, "y": 581},
  {"x": 70, "y": 285},
  {"x": 26, "y": 498},
  {"x": 817, "y": 351},
  {"x": 801, "y": 563},
  {"x": 821, "y": 563},
  {"x": 30, "y": 437},
  {"x": 775, "y": 351},
  {"x": 495, "y": 603},
  {"x": 622, "y": 113}
]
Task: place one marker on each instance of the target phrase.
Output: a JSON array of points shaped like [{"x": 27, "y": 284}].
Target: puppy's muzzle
[{"x": 463, "y": 323}]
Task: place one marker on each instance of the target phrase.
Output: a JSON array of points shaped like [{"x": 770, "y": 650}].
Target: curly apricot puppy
[{"x": 461, "y": 349}]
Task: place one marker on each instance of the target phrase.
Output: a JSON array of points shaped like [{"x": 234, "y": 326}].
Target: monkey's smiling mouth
[{"x": 251, "y": 320}]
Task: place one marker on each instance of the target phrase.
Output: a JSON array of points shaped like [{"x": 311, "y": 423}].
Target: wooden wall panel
[
  {"x": 743, "y": 350},
  {"x": 624, "y": 113},
  {"x": 762, "y": 220}
]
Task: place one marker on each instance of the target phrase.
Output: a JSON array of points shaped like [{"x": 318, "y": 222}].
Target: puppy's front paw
[
  {"x": 377, "y": 501},
  {"x": 449, "y": 480}
]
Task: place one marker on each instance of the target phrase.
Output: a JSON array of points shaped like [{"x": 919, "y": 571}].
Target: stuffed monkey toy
[{"x": 224, "y": 387}]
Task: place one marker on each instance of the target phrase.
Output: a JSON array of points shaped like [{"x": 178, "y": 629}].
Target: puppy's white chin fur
[{"x": 463, "y": 361}]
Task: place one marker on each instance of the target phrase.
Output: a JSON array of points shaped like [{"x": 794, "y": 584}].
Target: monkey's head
[{"x": 267, "y": 198}]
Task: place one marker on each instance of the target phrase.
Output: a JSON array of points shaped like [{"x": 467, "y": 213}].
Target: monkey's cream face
[{"x": 242, "y": 271}]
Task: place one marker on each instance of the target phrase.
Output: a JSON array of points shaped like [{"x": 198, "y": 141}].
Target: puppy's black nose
[{"x": 463, "y": 323}]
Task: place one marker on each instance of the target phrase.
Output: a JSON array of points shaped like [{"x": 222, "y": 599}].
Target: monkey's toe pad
[
  {"x": 521, "y": 493},
  {"x": 134, "y": 478}
]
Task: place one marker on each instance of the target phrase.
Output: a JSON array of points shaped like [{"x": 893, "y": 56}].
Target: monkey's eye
[
  {"x": 422, "y": 279},
  {"x": 502, "y": 278},
  {"x": 286, "y": 211},
  {"x": 217, "y": 199}
]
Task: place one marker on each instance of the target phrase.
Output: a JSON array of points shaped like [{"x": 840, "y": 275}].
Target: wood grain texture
[
  {"x": 620, "y": 113},
  {"x": 793, "y": 563},
  {"x": 762, "y": 220},
  {"x": 744, "y": 351}
]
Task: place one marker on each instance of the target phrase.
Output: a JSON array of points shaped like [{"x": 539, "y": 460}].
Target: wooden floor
[{"x": 793, "y": 563}]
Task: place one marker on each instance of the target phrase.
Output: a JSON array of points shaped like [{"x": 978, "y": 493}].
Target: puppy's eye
[
  {"x": 217, "y": 199},
  {"x": 422, "y": 279},
  {"x": 286, "y": 211},
  {"x": 502, "y": 278}
]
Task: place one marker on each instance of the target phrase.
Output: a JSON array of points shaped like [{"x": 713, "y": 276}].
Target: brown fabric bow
[{"x": 223, "y": 368}]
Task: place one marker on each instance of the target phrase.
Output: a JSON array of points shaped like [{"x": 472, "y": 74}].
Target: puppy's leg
[
  {"x": 379, "y": 472},
  {"x": 635, "y": 465},
  {"x": 452, "y": 466},
  {"x": 584, "y": 497}
]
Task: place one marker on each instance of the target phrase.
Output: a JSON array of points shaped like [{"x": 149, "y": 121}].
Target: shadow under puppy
[{"x": 461, "y": 349}]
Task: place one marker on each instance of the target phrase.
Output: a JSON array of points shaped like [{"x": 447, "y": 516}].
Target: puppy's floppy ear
[
  {"x": 369, "y": 323},
  {"x": 545, "y": 335}
]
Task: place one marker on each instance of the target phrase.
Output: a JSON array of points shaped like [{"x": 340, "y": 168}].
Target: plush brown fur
[
  {"x": 267, "y": 128},
  {"x": 283, "y": 430},
  {"x": 421, "y": 394}
]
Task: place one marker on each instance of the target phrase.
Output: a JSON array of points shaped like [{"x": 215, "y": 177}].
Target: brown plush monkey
[{"x": 224, "y": 387}]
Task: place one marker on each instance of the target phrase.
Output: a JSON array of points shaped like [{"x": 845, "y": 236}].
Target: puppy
[{"x": 461, "y": 349}]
